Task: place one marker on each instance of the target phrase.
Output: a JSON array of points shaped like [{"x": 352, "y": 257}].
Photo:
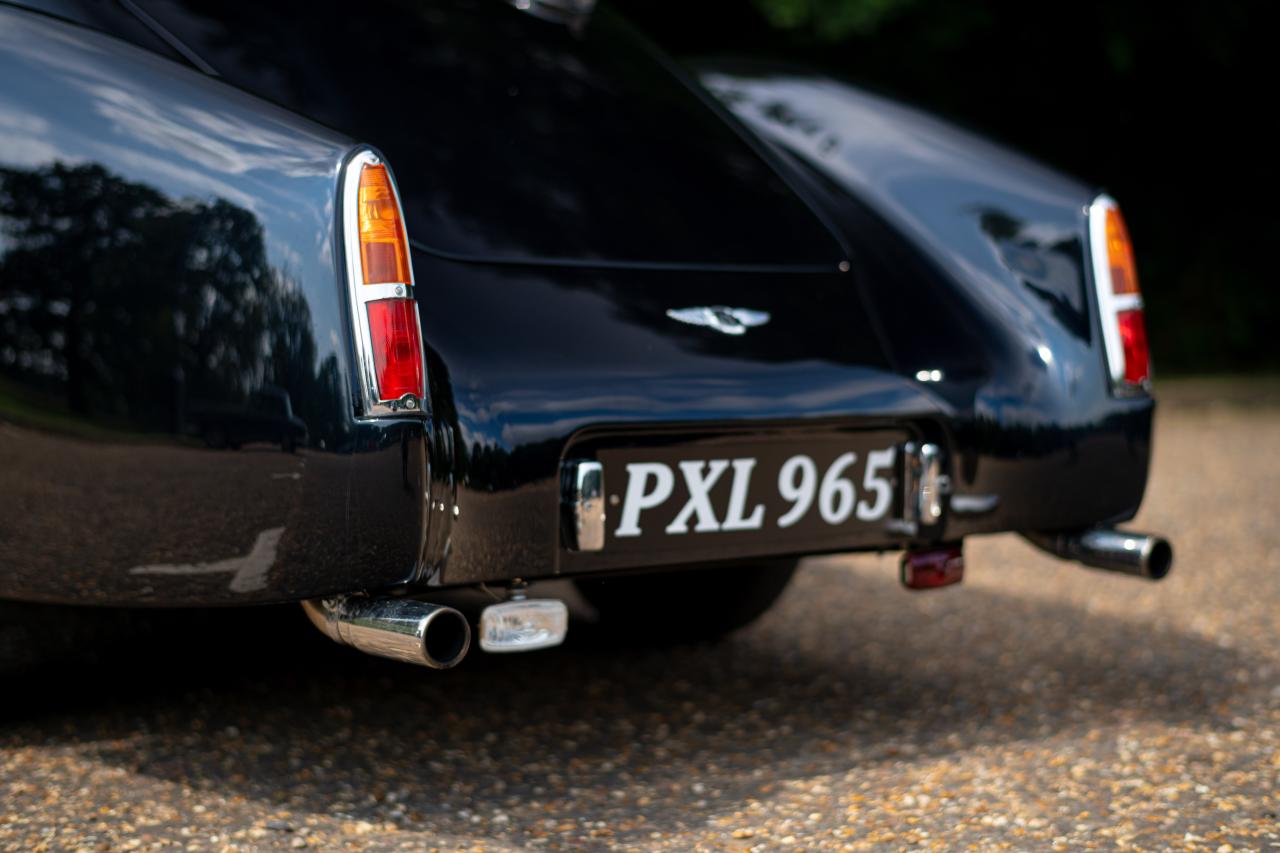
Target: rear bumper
[{"x": 1003, "y": 478}]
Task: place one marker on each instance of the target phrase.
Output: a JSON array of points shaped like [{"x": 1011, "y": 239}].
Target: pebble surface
[{"x": 1036, "y": 706}]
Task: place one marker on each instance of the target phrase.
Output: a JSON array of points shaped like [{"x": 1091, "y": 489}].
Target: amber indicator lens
[
  {"x": 1133, "y": 339},
  {"x": 384, "y": 252},
  {"x": 1124, "y": 272},
  {"x": 397, "y": 348}
]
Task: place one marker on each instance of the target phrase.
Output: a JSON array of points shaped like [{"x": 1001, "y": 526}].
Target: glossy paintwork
[
  {"x": 568, "y": 350},
  {"x": 168, "y": 247},
  {"x": 513, "y": 136},
  {"x": 622, "y": 373},
  {"x": 967, "y": 264},
  {"x": 1001, "y": 244},
  {"x": 111, "y": 18},
  {"x": 167, "y": 252}
]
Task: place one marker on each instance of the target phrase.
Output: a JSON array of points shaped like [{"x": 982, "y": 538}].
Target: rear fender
[{"x": 168, "y": 250}]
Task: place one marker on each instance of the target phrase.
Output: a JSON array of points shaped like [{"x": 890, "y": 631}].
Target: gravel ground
[{"x": 1037, "y": 706}]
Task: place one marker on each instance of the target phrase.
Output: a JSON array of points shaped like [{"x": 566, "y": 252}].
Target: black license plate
[{"x": 726, "y": 497}]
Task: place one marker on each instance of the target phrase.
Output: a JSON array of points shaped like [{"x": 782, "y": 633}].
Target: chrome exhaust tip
[
  {"x": 402, "y": 629},
  {"x": 1140, "y": 554}
]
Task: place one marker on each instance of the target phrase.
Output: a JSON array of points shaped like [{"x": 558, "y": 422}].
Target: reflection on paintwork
[
  {"x": 518, "y": 138},
  {"x": 946, "y": 189},
  {"x": 248, "y": 573},
  {"x": 1048, "y": 261},
  {"x": 154, "y": 315},
  {"x": 74, "y": 99},
  {"x": 267, "y": 415},
  {"x": 167, "y": 287}
]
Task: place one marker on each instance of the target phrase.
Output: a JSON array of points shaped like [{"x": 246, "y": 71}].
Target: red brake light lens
[
  {"x": 1133, "y": 340},
  {"x": 397, "y": 347}
]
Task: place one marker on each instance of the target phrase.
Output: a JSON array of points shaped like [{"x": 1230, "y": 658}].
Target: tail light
[
  {"x": 1115, "y": 275},
  {"x": 397, "y": 347},
  {"x": 388, "y": 331}
]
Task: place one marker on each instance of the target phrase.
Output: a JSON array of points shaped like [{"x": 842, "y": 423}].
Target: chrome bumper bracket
[{"x": 582, "y": 505}]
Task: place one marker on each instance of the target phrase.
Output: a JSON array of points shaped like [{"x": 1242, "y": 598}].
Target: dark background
[{"x": 1170, "y": 107}]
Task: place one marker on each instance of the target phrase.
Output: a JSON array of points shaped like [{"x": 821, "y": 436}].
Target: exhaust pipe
[
  {"x": 398, "y": 628},
  {"x": 1139, "y": 554}
]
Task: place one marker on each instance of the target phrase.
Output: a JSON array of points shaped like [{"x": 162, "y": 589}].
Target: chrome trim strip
[
  {"x": 169, "y": 38},
  {"x": 624, "y": 264},
  {"x": 375, "y": 292}
]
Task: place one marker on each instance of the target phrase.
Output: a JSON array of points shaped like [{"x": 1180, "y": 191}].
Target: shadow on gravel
[{"x": 848, "y": 671}]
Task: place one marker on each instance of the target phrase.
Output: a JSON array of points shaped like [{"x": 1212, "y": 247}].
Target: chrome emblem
[{"x": 729, "y": 321}]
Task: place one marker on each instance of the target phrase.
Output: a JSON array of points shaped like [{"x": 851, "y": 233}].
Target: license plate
[{"x": 727, "y": 497}]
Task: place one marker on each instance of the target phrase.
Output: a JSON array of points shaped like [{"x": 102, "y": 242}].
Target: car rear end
[
  {"x": 571, "y": 312},
  {"x": 804, "y": 434}
]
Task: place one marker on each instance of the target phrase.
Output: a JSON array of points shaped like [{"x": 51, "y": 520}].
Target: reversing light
[
  {"x": 1115, "y": 275},
  {"x": 388, "y": 330},
  {"x": 523, "y": 624}
]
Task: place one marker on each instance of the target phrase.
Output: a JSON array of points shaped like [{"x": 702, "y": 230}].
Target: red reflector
[
  {"x": 1133, "y": 340},
  {"x": 932, "y": 568},
  {"x": 397, "y": 349}
]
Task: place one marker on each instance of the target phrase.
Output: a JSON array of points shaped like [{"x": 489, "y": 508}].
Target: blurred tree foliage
[
  {"x": 111, "y": 292},
  {"x": 829, "y": 20},
  {"x": 1167, "y": 106}
]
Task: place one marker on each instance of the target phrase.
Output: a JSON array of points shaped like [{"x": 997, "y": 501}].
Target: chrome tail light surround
[
  {"x": 1110, "y": 304},
  {"x": 372, "y": 403}
]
